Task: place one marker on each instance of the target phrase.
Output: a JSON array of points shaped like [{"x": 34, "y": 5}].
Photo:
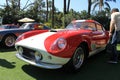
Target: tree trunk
[
  {"x": 89, "y": 7},
  {"x": 7, "y": 2},
  {"x": 65, "y": 7},
  {"x": 19, "y": 4},
  {"x": 68, "y": 6},
  {"x": 47, "y": 11},
  {"x": 52, "y": 13}
]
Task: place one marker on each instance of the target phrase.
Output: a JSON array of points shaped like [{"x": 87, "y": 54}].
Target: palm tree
[
  {"x": 68, "y": 6},
  {"x": 101, "y": 5},
  {"x": 53, "y": 13},
  {"x": 47, "y": 11},
  {"x": 19, "y": 4},
  {"x": 48, "y": 6},
  {"x": 89, "y": 7},
  {"x": 27, "y": 5},
  {"x": 6, "y": 2},
  {"x": 65, "y": 7}
]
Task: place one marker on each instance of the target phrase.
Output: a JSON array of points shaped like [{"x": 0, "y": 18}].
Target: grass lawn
[{"x": 96, "y": 68}]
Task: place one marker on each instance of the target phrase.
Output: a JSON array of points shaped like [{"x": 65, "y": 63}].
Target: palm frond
[
  {"x": 97, "y": 4},
  {"x": 107, "y": 5}
]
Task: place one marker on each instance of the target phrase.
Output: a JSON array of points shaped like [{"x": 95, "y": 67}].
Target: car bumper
[{"x": 42, "y": 65}]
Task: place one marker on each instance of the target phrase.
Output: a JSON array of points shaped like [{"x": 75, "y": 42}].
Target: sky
[
  {"x": 77, "y": 5},
  {"x": 80, "y": 5}
]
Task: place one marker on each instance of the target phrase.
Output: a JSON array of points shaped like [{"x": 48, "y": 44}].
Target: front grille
[{"x": 28, "y": 53}]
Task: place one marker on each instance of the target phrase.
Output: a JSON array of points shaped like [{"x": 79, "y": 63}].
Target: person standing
[{"x": 114, "y": 34}]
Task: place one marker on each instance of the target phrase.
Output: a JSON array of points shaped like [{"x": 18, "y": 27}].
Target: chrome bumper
[{"x": 42, "y": 65}]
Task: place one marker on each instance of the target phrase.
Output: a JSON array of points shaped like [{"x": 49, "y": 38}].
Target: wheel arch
[
  {"x": 9, "y": 35},
  {"x": 85, "y": 47}
]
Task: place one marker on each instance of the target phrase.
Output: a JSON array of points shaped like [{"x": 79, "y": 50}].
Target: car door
[{"x": 99, "y": 37}]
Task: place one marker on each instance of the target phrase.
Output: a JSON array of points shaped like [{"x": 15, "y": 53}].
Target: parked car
[
  {"x": 65, "y": 48},
  {"x": 8, "y": 26},
  {"x": 8, "y": 36}
]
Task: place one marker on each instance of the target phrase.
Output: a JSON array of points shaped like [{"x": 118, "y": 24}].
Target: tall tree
[
  {"x": 68, "y": 6},
  {"x": 65, "y": 7},
  {"x": 19, "y": 4},
  {"x": 6, "y": 2},
  {"x": 53, "y": 13},
  {"x": 47, "y": 10},
  {"x": 102, "y": 4},
  {"x": 27, "y": 5},
  {"x": 89, "y": 7}
]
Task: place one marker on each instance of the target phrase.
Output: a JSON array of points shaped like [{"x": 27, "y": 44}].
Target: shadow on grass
[
  {"x": 7, "y": 49},
  {"x": 6, "y": 64},
  {"x": 96, "y": 68},
  {"x": 45, "y": 74}
]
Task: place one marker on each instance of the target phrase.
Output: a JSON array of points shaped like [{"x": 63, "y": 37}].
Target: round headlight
[
  {"x": 61, "y": 43},
  {"x": 20, "y": 50},
  {"x": 58, "y": 45},
  {"x": 38, "y": 56}
]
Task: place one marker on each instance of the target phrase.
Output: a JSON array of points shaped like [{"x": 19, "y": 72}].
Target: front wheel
[
  {"x": 9, "y": 41},
  {"x": 77, "y": 60}
]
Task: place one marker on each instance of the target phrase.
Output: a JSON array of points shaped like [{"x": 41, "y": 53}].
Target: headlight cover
[
  {"x": 59, "y": 45},
  {"x": 20, "y": 50}
]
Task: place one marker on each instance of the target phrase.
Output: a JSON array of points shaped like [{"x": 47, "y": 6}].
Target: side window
[
  {"x": 31, "y": 26},
  {"x": 78, "y": 25},
  {"x": 99, "y": 27},
  {"x": 92, "y": 26}
]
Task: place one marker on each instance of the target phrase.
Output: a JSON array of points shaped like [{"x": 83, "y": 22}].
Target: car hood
[{"x": 37, "y": 41}]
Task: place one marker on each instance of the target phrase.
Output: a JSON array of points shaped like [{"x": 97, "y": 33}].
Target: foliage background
[{"x": 42, "y": 11}]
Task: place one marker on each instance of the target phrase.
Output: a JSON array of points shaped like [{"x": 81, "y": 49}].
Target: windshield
[
  {"x": 81, "y": 25},
  {"x": 23, "y": 26},
  {"x": 27, "y": 26}
]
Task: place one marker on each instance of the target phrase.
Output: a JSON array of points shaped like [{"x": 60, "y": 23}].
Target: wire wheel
[
  {"x": 9, "y": 41},
  {"x": 78, "y": 58}
]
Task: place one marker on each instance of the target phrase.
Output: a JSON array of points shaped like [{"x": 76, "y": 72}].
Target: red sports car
[{"x": 67, "y": 48}]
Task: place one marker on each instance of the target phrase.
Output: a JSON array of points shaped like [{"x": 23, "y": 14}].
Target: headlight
[
  {"x": 59, "y": 45},
  {"x": 38, "y": 56},
  {"x": 20, "y": 50}
]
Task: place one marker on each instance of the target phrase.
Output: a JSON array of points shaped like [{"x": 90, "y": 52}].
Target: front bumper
[{"x": 42, "y": 65}]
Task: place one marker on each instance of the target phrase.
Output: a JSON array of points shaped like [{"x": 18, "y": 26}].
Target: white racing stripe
[{"x": 37, "y": 43}]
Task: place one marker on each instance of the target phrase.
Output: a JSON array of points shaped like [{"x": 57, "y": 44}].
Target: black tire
[
  {"x": 77, "y": 60},
  {"x": 9, "y": 41}
]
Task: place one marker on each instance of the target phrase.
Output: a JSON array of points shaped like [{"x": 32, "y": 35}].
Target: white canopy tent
[{"x": 26, "y": 20}]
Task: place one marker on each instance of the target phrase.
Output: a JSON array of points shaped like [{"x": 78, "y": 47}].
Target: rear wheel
[
  {"x": 9, "y": 41},
  {"x": 77, "y": 60}
]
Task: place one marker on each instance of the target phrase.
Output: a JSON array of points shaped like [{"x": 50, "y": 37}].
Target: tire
[
  {"x": 77, "y": 60},
  {"x": 9, "y": 41}
]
